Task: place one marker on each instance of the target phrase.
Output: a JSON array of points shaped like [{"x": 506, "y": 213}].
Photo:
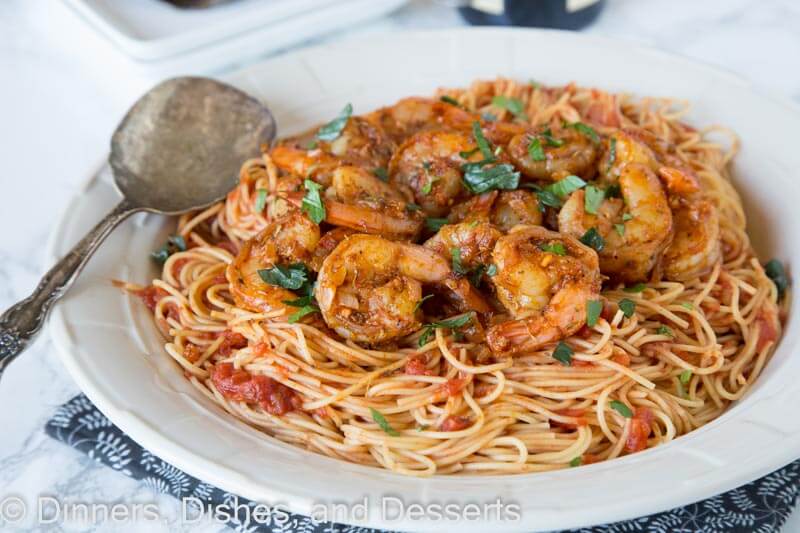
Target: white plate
[{"x": 113, "y": 351}]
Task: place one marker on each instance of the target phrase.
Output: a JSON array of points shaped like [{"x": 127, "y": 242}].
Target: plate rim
[{"x": 59, "y": 329}]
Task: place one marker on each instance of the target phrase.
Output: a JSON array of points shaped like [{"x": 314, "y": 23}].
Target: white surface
[
  {"x": 62, "y": 93},
  {"x": 160, "y": 39}
]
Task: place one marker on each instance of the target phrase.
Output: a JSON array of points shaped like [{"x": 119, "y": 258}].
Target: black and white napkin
[{"x": 759, "y": 507}]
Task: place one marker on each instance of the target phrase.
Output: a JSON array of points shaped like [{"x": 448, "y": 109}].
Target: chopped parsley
[
  {"x": 491, "y": 270},
  {"x": 383, "y": 423},
  {"x": 586, "y": 130},
  {"x": 312, "y": 202},
  {"x": 688, "y": 306},
  {"x": 175, "y": 243},
  {"x": 435, "y": 224},
  {"x": 469, "y": 153},
  {"x": 450, "y": 100},
  {"x": 312, "y": 144},
  {"x": 481, "y": 141},
  {"x": 535, "y": 150},
  {"x": 639, "y": 287},
  {"x": 458, "y": 267},
  {"x": 333, "y": 129},
  {"x": 593, "y": 310},
  {"x": 576, "y": 461},
  {"x": 621, "y": 408},
  {"x": 410, "y": 206},
  {"x": 593, "y": 239},
  {"x": 685, "y": 377},
  {"x": 426, "y": 189},
  {"x": 261, "y": 200},
  {"x": 592, "y": 199},
  {"x": 620, "y": 229},
  {"x": 478, "y": 178},
  {"x": 775, "y": 271},
  {"x": 291, "y": 277},
  {"x": 664, "y": 330},
  {"x": 565, "y": 187},
  {"x": 563, "y": 353},
  {"x": 626, "y": 217},
  {"x": 614, "y": 191},
  {"x": 450, "y": 323},
  {"x": 419, "y": 303},
  {"x": 513, "y": 105},
  {"x": 553, "y": 248},
  {"x": 300, "y": 313},
  {"x": 612, "y": 153},
  {"x": 381, "y": 173},
  {"x": 628, "y": 307},
  {"x": 550, "y": 140}
]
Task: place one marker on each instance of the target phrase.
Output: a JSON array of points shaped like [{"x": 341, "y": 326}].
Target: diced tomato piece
[
  {"x": 192, "y": 352},
  {"x": 589, "y": 458},
  {"x": 640, "y": 428},
  {"x": 452, "y": 387},
  {"x": 415, "y": 366},
  {"x": 572, "y": 413},
  {"x": 767, "y": 327},
  {"x": 239, "y": 385},
  {"x": 151, "y": 296},
  {"x": 621, "y": 358},
  {"x": 231, "y": 341},
  {"x": 455, "y": 423},
  {"x": 609, "y": 310}
]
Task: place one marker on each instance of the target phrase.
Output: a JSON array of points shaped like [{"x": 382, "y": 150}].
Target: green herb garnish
[
  {"x": 664, "y": 330},
  {"x": 469, "y": 153},
  {"x": 553, "y": 248},
  {"x": 175, "y": 243},
  {"x": 639, "y": 287},
  {"x": 450, "y": 323},
  {"x": 586, "y": 130},
  {"x": 621, "y": 408},
  {"x": 688, "y": 306},
  {"x": 383, "y": 423},
  {"x": 593, "y": 239},
  {"x": 563, "y": 354},
  {"x": 685, "y": 377},
  {"x": 612, "y": 153},
  {"x": 775, "y": 271},
  {"x": 381, "y": 173},
  {"x": 422, "y": 300},
  {"x": 513, "y": 105},
  {"x": 628, "y": 307},
  {"x": 291, "y": 277},
  {"x": 550, "y": 140},
  {"x": 592, "y": 199},
  {"x": 410, "y": 206},
  {"x": 458, "y": 268},
  {"x": 479, "y": 179},
  {"x": 300, "y": 313},
  {"x": 261, "y": 200},
  {"x": 435, "y": 224},
  {"x": 333, "y": 129},
  {"x": 312, "y": 202},
  {"x": 565, "y": 187},
  {"x": 481, "y": 141},
  {"x": 620, "y": 229},
  {"x": 614, "y": 191},
  {"x": 593, "y": 310},
  {"x": 576, "y": 461},
  {"x": 535, "y": 150},
  {"x": 426, "y": 189},
  {"x": 491, "y": 270},
  {"x": 450, "y": 100}
]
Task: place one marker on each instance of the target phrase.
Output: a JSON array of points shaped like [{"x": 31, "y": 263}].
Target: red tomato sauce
[
  {"x": 239, "y": 385},
  {"x": 640, "y": 429},
  {"x": 455, "y": 423}
]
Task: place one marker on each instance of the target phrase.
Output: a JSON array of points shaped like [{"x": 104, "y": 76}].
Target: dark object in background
[
  {"x": 561, "y": 14},
  {"x": 194, "y": 3}
]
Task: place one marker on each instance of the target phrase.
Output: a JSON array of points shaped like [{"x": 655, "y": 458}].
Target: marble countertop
[{"x": 62, "y": 94}]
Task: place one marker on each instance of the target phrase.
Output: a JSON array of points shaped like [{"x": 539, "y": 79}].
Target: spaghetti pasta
[{"x": 660, "y": 359}]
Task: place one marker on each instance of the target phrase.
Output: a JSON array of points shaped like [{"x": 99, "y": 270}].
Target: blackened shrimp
[
  {"x": 544, "y": 280},
  {"x": 369, "y": 288},
  {"x": 290, "y": 239},
  {"x": 543, "y": 155}
]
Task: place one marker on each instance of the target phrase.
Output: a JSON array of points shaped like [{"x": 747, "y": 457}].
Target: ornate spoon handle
[{"x": 23, "y": 320}]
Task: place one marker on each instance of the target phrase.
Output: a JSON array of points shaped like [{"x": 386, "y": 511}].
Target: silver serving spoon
[{"x": 179, "y": 148}]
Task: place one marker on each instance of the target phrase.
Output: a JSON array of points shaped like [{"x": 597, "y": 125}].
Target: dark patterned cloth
[{"x": 759, "y": 507}]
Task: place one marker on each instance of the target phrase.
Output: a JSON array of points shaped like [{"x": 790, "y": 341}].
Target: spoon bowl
[
  {"x": 181, "y": 145},
  {"x": 179, "y": 148}
]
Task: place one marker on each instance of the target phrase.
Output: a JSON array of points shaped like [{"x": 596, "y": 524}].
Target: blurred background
[{"x": 71, "y": 68}]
